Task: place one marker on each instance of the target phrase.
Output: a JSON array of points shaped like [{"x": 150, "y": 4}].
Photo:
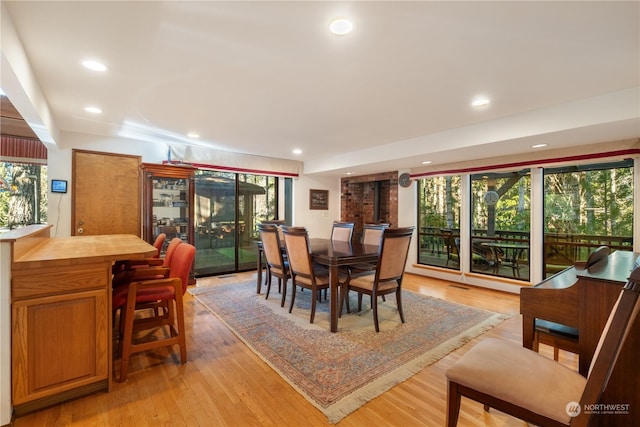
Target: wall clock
[
  {"x": 404, "y": 180},
  {"x": 491, "y": 198}
]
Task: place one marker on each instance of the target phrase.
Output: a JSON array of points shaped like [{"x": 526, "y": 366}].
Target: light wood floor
[{"x": 226, "y": 384}]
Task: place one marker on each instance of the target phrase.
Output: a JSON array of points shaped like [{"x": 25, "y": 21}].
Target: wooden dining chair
[
  {"x": 387, "y": 277},
  {"x": 158, "y": 243},
  {"x": 371, "y": 235},
  {"x": 164, "y": 297},
  {"x": 304, "y": 272},
  {"x": 278, "y": 223},
  {"x": 276, "y": 264},
  {"x": 342, "y": 231},
  {"x": 145, "y": 268},
  {"x": 520, "y": 382}
]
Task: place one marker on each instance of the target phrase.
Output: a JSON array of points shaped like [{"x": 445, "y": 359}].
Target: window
[
  {"x": 23, "y": 194},
  {"x": 439, "y": 221},
  {"x": 500, "y": 223},
  {"x": 586, "y": 207}
]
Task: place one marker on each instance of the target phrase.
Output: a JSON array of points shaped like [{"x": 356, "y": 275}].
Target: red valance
[{"x": 19, "y": 150}]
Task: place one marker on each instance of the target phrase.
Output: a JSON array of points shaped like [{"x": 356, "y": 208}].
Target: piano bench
[{"x": 555, "y": 335}]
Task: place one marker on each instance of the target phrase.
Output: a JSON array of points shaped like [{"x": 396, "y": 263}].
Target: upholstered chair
[{"x": 387, "y": 277}]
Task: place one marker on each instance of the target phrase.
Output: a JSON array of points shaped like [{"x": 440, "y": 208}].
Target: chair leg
[
  {"x": 126, "y": 337},
  {"x": 314, "y": 298},
  {"x": 556, "y": 353},
  {"x": 344, "y": 293},
  {"x": 284, "y": 292},
  {"x": 182, "y": 340},
  {"x": 399, "y": 304},
  {"x": 453, "y": 405},
  {"x": 374, "y": 307},
  {"x": 293, "y": 295},
  {"x": 268, "y": 284}
]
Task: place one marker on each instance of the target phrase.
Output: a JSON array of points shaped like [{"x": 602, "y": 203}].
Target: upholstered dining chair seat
[
  {"x": 508, "y": 371},
  {"x": 366, "y": 281}
]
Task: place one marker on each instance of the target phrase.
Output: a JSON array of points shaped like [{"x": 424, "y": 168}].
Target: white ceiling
[{"x": 267, "y": 77}]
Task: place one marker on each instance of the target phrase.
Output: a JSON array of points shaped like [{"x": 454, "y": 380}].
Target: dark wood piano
[{"x": 582, "y": 298}]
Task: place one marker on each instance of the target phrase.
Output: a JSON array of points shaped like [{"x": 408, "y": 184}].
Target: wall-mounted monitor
[{"x": 58, "y": 186}]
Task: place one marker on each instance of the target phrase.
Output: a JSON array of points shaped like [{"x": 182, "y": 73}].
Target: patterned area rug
[{"x": 339, "y": 372}]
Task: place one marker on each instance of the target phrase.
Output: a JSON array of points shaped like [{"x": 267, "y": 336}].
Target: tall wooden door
[{"x": 105, "y": 194}]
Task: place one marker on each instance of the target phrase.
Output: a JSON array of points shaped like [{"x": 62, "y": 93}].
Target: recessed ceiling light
[
  {"x": 539, "y": 145},
  {"x": 341, "y": 26},
  {"x": 480, "y": 101},
  {"x": 193, "y": 135},
  {"x": 426, "y": 162},
  {"x": 93, "y": 110},
  {"x": 94, "y": 65},
  {"x": 297, "y": 151}
]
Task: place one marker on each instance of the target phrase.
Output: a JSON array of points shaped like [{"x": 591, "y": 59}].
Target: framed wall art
[{"x": 319, "y": 199}]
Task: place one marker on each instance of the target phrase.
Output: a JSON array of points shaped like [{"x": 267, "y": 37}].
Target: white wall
[{"x": 317, "y": 222}]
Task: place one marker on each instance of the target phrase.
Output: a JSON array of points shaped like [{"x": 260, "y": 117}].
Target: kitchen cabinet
[{"x": 61, "y": 314}]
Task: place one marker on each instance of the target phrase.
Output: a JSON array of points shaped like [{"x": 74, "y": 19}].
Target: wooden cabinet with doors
[
  {"x": 61, "y": 336},
  {"x": 168, "y": 202}
]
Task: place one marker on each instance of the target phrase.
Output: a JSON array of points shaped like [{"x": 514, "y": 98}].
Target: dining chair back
[
  {"x": 144, "y": 269},
  {"x": 372, "y": 233},
  {"x": 520, "y": 382},
  {"x": 158, "y": 243},
  {"x": 342, "y": 231},
  {"x": 302, "y": 269},
  {"x": 276, "y": 264},
  {"x": 453, "y": 248},
  {"x": 387, "y": 277},
  {"x": 165, "y": 299}
]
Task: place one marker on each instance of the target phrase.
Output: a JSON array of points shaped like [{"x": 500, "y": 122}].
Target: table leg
[{"x": 333, "y": 298}]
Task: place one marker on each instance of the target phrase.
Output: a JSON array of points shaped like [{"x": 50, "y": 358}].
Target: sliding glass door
[{"x": 228, "y": 207}]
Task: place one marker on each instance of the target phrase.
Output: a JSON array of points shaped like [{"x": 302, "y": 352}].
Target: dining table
[
  {"x": 512, "y": 250},
  {"x": 333, "y": 255}
]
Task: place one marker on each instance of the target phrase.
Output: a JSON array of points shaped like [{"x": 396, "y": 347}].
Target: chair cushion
[
  {"x": 366, "y": 282},
  {"x": 506, "y": 370}
]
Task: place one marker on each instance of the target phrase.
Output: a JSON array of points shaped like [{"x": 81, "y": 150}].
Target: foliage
[
  {"x": 23, "y": 194},
  {"x": 590, "y": 200}
]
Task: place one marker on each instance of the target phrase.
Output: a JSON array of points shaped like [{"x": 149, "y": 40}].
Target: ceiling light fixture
[
  {"x": 426, "y": 162},
  {"x": 94, "y": 65},
  {"x": 193, "y": 135},
  {"x": 341, "y": 26},
  {"x": 93, "y": 110},
  {"x": 297, "y": 151},
  {"x": 480, "y": 102},
  {"x": 539, "y": 145}
]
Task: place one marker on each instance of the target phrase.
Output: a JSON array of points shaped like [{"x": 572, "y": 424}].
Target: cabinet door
[
  {"x": 59, "y": 343},
  {"x": 171, "y": 213}
]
